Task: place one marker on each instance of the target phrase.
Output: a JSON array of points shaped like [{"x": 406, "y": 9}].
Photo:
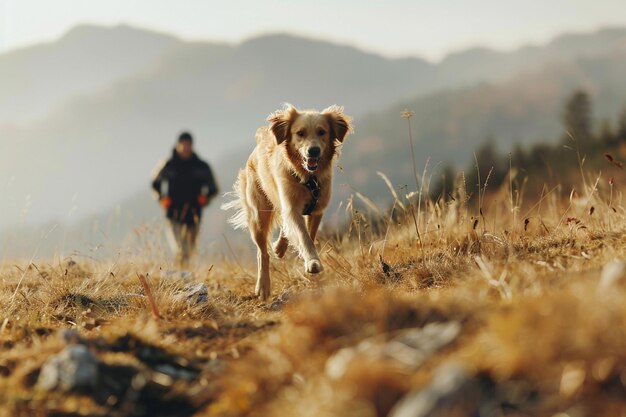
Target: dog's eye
[
  {"x": 321, "y": 132},
  {"x": 300, "y": 133}
]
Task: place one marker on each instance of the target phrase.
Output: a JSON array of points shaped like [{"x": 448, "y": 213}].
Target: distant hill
[
  {"x": 107, "y": 124},
  {"x": 449, "y": 126},
  {"x": 482, "y": 64},
  {"x": 35, "y": 80}
]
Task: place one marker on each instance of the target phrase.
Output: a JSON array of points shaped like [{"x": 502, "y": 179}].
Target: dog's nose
[{"x": 314, "y": 152}]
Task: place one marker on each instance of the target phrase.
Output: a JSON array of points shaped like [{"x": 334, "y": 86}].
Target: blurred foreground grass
[{"x": 483, "y": 307}]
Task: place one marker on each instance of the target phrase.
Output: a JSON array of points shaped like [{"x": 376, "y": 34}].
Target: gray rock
[
  {"x": 447, "y": 380},
  {"x": 279, "y": 302},
  {"x": 75, "y": 368},
  {"x": 414, "y": 346},
  {"x": 410, "y": 347},
  {"x": 176, "y": 373},
  {"x": 195, "y": 293}
]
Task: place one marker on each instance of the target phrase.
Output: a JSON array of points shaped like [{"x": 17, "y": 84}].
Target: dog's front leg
[
  {"x": 313, "y": 224},
  {"x": 296, "y": 228}
]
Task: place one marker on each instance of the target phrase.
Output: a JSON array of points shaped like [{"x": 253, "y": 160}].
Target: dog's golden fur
[{"x": 270, "y": 190}]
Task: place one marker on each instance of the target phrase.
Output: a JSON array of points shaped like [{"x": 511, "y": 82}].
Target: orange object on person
[
  {"x": 166, "y": 202},
  {"x": 203, "y": 200}
]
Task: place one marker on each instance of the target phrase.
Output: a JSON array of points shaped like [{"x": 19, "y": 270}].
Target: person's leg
[
  {"x": 184, "y": 243},
  {"x": 192, "y": 237},
  {"x": 175, "y": 238},
  {"x": 188, "y": 237}
]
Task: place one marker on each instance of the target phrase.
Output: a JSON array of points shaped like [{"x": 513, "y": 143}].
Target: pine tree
[
  {"x": 577, "y": 117},
  {"x": 518, "y": 157}
]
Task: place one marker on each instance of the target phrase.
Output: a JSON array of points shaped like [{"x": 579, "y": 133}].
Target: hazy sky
[{"x": 428, "y": 28}]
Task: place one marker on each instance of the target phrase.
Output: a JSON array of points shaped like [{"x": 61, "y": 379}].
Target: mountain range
[{"x": 84, "y": 119}]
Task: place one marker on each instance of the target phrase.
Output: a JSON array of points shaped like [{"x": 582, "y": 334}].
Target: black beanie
[{"x": 185, "y": 136}]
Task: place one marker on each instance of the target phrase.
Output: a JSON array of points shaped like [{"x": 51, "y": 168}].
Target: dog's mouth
[{"x": 310, "y": 164}]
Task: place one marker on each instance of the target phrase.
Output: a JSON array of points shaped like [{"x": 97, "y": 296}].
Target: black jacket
[{"x": 183, "y": 181}]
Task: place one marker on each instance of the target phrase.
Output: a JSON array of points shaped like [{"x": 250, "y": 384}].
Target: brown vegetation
[{"x": 494, "y": 309}]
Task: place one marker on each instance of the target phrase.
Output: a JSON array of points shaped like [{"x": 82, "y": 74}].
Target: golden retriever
[{"x": 287, "y": 183}]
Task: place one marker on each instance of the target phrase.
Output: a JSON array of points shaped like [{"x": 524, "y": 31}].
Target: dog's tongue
[{"x": 311, "y": 163}]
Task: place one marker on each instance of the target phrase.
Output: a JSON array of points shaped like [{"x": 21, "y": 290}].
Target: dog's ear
[
  {"x": 280, "y": 122},
  {"x": 340, "y": 124}
]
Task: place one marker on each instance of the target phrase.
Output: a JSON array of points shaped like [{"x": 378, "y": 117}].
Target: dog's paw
[
  {"x": 263, "y": 290},
  {"x": 313, "y": 266},
  {"x": 280, "y": 247}
]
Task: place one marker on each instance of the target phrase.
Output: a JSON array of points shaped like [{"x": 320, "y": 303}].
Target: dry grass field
[{"x": 492, "y": 306}]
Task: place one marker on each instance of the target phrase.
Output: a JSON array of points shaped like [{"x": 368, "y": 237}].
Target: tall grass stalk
[{"x": 407, "y": 114}]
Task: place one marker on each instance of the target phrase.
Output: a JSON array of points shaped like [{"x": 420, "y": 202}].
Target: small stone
[
  {"x": 447, "y": 381},
  {"x": 414, "y": 346},
  {"x": 75, "y": 368},
  {"x": 176, "y": 372},
  {"x": 411, "y": 348},
  {"x": 280, "y": 300},
  {"x": 339, "y": 363},
  {"x": 196, "y": 293}
]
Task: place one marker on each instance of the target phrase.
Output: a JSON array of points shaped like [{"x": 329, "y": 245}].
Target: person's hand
[
  {"x": 203, "y": 200},
  {"x": 165, "y": 202}
]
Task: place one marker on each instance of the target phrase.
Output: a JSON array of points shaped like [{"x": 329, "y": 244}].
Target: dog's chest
[{"x": 310, "y": 196}]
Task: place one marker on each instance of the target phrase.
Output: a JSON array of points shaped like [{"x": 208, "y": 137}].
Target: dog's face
[{"x": 310, "y": 135}]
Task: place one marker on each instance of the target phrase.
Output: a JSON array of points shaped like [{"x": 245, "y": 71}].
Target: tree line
[{"x": 581, "y": 145}]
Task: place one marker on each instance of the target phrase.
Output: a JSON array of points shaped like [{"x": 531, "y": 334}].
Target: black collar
[{"x": 314, "y": 188}]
